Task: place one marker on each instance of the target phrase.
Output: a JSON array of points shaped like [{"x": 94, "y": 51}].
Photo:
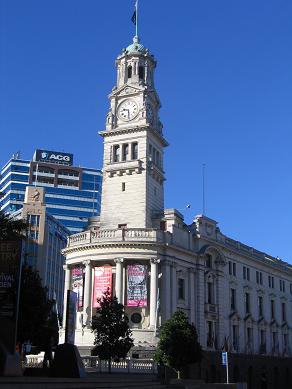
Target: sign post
[{"x": 225, "y": 363}]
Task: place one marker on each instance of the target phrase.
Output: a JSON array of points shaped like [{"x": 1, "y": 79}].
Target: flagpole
[{"x": 136, "y": 5}]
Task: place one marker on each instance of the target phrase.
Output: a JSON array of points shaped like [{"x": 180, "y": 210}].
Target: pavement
[{"x": 93, "y": 380}]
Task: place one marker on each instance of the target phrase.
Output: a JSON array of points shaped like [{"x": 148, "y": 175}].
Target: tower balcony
[{"x": 116, "y": 235}]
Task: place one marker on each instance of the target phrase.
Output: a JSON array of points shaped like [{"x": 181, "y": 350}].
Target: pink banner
[
  {"x": 137, "y": 286},
  {"x": 102, "y": 282}
]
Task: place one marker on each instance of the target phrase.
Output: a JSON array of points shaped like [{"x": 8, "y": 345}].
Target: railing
[
  {"x": 129, "y": 365},
  {"x": 128, "y": 235}
]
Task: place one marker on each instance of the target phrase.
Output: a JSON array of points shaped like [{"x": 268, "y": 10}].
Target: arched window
[{"x": 130, "y": 71}]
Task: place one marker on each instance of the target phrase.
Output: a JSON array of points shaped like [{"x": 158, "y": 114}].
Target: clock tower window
[
  {"x": 130, "y": 71},
  {"x": 116, "y": 157},
  {"x": 125, "y": 153},
  {"x": 135, "y": 150},
  {"x": 141, "y": 72}
]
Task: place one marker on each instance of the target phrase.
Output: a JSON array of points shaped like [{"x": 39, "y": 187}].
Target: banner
[
  {"x": 10, "y": 274},
  {"x": 102, "y": 282},
  {"x": 137, "y": 286},
  {"x": 77, "y": 285}
]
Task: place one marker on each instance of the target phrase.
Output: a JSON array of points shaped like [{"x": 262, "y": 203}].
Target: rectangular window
[
  {"x": 230, "y": 267},
  {"x": 209, "y": 260},
  {"x": 257, "y": 277},
  {"x": 247, "y": 274},
  {"x": 116, "y": 153},
  {"x": 234, "y": 269},
  {"x": 150, "y": 152},
  {"x": 260, "y": 304},
  {"x": 135, "y": 150},
  {"x": 123, "y": 186},
  {"x": 210, "y": 334},
  {"x": 210, "y": 293},
  {"x": 283, "y": 312},
  {"x": 244, "y": 273},
  {"x": 125, "y": 152},
  {"x": 141, "y": 72},
  {"x": 233, "y": 299},
  {"x": 181, "y": 288},
  {"x": 235, "y": 337},
  {"x": 249, "y": 335},
  {"x": 290, "y": 288},
  {"x": 272, "y": 309},
  {"x": 247, "y": 303}
]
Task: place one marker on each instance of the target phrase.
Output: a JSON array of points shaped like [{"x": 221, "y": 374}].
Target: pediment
[
  {"x": 234, "y": 318},
  {"x": 126, "y": 90}
]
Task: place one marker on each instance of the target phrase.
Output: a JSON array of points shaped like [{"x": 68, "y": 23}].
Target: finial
[{"x": 136, "y": 39}]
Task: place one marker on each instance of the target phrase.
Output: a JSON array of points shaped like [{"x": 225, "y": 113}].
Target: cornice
[{"x": 103, "y": 245}]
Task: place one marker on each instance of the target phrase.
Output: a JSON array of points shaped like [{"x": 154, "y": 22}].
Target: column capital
[
  {"x": 155, "y": 261},
  {"x": 87, "y": 262},
  {"x": 66, "y": 267},
  {"x": 119, "y": 260}
]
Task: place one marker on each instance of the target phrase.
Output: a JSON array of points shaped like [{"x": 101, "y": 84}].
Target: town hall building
[{"x": 239, "y": 299}]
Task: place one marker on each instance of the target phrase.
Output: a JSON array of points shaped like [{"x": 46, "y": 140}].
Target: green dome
[{"x": 136, "y": 47}]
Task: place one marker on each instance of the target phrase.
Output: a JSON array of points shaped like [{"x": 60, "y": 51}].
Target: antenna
[{"x": 203, "y": 182}]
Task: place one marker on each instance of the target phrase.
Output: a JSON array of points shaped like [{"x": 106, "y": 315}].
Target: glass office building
[{"x": 72, "y": 194}]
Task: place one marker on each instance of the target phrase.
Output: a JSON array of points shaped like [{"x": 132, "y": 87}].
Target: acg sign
[{"x": 54, "y": 157}]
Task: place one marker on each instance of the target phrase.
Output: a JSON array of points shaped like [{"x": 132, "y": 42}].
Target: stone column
[
  {"x": 173, "y": 288},
  {"x": 119, "y": 279},
  {"x": 66, "y": 287},
  {"x": 166, "y": 288},
  {"x": 87, "y": 293},
  {"x": 192, "y": 294},
  {"x": 153, "y": 291}
]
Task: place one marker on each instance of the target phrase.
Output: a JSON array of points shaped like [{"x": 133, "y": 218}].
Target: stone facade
[{"x": 238, "y": 298}]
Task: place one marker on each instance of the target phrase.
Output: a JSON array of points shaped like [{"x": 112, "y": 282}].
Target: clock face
[
  {"x": 149, "y": 113},
  {"x": 128, "y": 110}
]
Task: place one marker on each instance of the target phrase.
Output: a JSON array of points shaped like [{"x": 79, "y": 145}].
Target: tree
[
  {"x": 11, "y": 229},
  {"x": 178, "y": 345},
  {"x": 111, "y": 330},
  {"x": 37, "y": 321},
  {"x": 34, "y": 308}
]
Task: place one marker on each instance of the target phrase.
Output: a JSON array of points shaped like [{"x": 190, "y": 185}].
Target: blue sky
[{"x": 225, "y": 81}]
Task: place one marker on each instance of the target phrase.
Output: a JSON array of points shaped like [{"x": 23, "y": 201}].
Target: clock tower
[{"x": 133, "y": 175}]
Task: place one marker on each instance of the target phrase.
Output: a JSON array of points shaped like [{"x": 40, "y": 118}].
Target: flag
[{"x": 134, "y": 17}]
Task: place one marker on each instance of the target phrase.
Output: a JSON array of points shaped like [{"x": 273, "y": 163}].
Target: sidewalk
[{"x": 93, "y": 380}]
